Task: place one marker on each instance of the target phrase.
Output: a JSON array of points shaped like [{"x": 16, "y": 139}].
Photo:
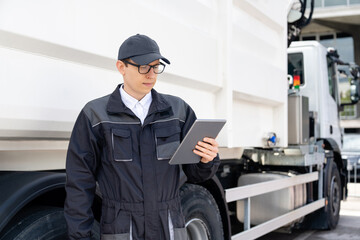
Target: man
[{"x": 124, "y": 141}]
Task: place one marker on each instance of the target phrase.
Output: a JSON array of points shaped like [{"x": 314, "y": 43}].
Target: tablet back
[{"x": 200, "y": 129}]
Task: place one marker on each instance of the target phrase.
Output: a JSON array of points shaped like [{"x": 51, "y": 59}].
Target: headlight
[{"x": 359, "y": 161}]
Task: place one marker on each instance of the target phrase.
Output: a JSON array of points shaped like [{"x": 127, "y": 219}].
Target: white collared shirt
[{"x": 139, "y": 108}]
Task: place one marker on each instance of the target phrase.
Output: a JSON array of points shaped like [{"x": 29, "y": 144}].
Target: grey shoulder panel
[
  {"x": 95, "y": 110},
  {"x": 179, "y": 106}
]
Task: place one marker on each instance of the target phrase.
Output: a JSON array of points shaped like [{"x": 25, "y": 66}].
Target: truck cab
[
  {"x": 315, "y": 98},
  {"x": 320, "y": 84}
]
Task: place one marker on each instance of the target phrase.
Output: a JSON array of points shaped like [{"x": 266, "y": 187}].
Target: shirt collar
[
  {"x": 115, "y": 104},
  {"x": 146, "y": 100},
  {"x": 130, "y": 101}
]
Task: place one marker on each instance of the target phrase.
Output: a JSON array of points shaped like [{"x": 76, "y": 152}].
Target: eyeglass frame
[{"x": 150, "y": 66}]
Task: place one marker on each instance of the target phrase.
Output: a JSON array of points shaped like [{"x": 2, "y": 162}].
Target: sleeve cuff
[{"x": 205, "y": 165}]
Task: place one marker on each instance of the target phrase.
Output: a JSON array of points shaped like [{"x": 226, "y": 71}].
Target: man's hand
[{"x": 206, "y": 149}]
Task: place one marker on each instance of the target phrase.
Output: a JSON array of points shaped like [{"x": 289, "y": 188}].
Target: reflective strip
[
  {"x": 131, "y": 237},
  {"x": 134, "y": 123},
  {"x": 138, "y": 123},
  {"x": 171, "y": 227},
  {"x": 167, "y": 120},
  {"x": 123, "y": 160}
]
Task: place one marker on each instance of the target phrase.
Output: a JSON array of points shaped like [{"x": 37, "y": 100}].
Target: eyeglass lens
[{"x": 158, "y": 68}]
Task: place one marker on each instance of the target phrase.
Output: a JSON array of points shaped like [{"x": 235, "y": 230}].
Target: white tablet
[{"x": 200, "y": 129}]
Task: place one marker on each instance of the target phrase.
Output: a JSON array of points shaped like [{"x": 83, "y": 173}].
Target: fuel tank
[{"x": 270, "y": 205}]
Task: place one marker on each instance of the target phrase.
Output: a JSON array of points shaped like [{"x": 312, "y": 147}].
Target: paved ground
[{"x": 347, "y": 229}]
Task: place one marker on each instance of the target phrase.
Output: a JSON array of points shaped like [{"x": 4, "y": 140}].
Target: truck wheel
[
  {"x": 41, "y": 223},
  {"x": 333, "y": 194},
  {"x": 202, "y": 216},
  {"x": 328, "y": 216}
]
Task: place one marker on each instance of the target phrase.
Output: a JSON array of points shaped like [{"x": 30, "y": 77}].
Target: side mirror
[
  {"x": 345, "y": 88},
  {"x": 349, "y": 85},
  {"x": 355, "y": 84},
  {"x": 349, "y": 92},
  {"x": 355, "y": 71},
  {"x": 354, "y": 91}
]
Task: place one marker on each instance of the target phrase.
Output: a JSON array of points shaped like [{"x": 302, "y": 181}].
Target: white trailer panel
[{"x": 228, "y": 61}]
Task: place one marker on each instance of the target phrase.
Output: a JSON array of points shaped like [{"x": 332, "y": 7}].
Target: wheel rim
[
  {"x": 335, "y": 194},
  {"x": 196, "y": 229}
]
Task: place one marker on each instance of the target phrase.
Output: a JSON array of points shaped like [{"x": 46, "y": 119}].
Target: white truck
[{"x": 280, "y": 149}]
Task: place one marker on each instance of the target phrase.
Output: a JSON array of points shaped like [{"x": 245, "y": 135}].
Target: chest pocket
[
  {"x": 121, "y": 145},
  {"x": 167, "y": 141}
]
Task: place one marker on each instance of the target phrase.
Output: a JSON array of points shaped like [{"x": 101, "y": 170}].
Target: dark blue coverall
[{"x": 140, "y": 190}]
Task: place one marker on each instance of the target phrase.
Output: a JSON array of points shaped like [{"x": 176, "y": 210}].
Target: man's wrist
[{"x": 205, "y": 165}]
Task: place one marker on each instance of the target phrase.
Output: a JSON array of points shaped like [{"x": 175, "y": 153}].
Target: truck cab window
[
  {"x": 331, "y": 77},
  {"x": 296, "y": 66}
]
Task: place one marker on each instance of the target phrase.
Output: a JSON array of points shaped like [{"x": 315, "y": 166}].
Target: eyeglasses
[{"x": 144, "y": 69}]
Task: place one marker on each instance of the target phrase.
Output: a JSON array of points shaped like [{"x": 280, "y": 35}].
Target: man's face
[{"x": 135, "y": 84}]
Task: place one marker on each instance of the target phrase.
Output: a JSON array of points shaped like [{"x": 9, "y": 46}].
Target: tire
[
  {"x": 333, "y": 195},
  {"x": 202, "y": 215},
  {"x": 41, "y": 223},
  {"x": 328, "y": 216}
]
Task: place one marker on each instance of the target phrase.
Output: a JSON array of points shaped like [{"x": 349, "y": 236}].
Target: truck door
[{"x": 331, "y": 128}]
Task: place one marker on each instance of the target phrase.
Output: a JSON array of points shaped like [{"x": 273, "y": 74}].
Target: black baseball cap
[{"x": 141, "y": 49}]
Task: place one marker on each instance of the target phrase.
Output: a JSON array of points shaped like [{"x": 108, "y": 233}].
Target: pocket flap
[
  {"x": 121, "y": 132},
  {"x": 167, "y": 131}
]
